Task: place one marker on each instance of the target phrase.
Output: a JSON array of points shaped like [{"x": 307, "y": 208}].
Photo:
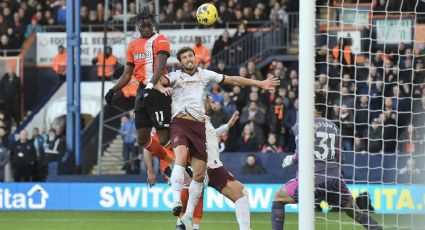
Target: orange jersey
[
  {"x": 59, "y": 63},
  {"x": 142, "y": 52},
  {"x": 110, "y": 63}
]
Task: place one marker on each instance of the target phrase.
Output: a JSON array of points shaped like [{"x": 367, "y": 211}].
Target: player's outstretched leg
[
  {"x": 282, "y": 197},
  {"x": 237, "y": 193}
]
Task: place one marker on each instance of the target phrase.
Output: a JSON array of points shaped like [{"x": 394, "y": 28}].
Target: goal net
[{"x": 370, "y": 64}]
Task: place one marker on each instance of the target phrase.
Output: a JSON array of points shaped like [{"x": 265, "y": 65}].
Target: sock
[
  {"x": 158, "y": 150},
  {"x": 242, "y": 213},
  {"x": 195, "y": 191},
  {"x": 278, "y": 215},
  {"x": 177, "y": 179},
  {"x": 195, "y": 226},
  {"x": 369, "y": 223}
]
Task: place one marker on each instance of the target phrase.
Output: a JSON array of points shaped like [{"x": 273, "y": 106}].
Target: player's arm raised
[
  {"x": 237, "y": 80},
  {"x": 123, "y": 81},
  {"x": 161, "y": 63}
]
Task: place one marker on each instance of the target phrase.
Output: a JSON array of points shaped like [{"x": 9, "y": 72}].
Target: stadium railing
[{"x": 271, "y": 38}]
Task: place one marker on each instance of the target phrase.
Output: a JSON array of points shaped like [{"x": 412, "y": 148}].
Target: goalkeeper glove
[{"x": 287, "y": 161}]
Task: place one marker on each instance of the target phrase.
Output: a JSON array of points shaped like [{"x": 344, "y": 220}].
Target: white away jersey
[{"x": 190, "y": 92}]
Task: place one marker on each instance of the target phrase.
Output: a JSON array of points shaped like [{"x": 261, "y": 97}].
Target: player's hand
[
  {"x": 109, "y": 96},
  {"x": 151, "y": 179},
  {"x": 164, "y": 90},
  {"x": 287, "y": 161},
  {"x": 270, "y": 82},
  {"x": 233, "y": 119}
]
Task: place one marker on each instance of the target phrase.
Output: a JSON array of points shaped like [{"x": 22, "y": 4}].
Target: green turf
[{"x": 66, "y": 220}]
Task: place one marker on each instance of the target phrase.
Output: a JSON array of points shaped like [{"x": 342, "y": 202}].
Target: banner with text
[
  {"x": 394, "y": 31},
  {"x": 387, "y": 199},
  {"x": 92, "y": 43}
]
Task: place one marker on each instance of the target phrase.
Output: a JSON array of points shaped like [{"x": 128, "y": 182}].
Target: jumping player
[
  {"x": 329, "y": 184},
  {"x": 219, "y": 177},
  {"x": 146, "y": 59},
  {"x": 187, "y": 129}
]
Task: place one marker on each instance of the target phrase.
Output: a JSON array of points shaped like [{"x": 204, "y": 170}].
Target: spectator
[
  {"x": 202, "y": 53},
  {"x": 275, "y": 117},
  {"x": 219, "y": 117},
  {"x": 61, "y": 13},
  {"x": 84, "y": 14},
  {"x": 347, "y": 128},
  {"x": 222, "y": 68},
  {"x": 409, "y": 140},
  {"x": 54, "y": 151},
  {"x": 253, "y": 70},
  {"x": 239, "y": 49},
  {"x": 216, "y": 93},
  {"x": 38, "y": 141},
  {"x": 4, "y": 156},
  {"x": 291, "y": 118},
  {"x": 128, "y": 134},
  {"x": 359, "y": 145},
  {"x": 34, "y": 27},
  {"x": 23, "y": 158},
  {"x": 237, "y": 97},
  {"x": 4, "y": 43},
  {"x": 224, "y": 15},
  {"x": 410, "y": 173},
  {"x": 110, "y": 64},
  {"x": 59, "y": 63},
  {"x": 256, "y": 118},
  {"x": 389, "y": 120},
  {"x": 18, "y": 25},
  {"x": 252, "y": 167},
  {"x": 246, "y": 142},
  {"x": 362, "y": 116},
  {"x": 10, "y": 90},
  {"x": 375, "y": 137},
  {"x": 228, "y": 105},
  {"x": 271, "y": 145},
  {"x": 343, "y": 53}
]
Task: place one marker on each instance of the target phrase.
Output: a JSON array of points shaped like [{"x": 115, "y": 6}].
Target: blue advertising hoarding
[{"x": 401, "y": 199}]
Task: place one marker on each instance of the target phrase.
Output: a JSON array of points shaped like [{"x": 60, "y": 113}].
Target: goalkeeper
[{"x": 329, "y": 184}]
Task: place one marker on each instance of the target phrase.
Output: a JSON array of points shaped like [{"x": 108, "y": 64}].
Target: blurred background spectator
[{"x": 252, "y": 167}]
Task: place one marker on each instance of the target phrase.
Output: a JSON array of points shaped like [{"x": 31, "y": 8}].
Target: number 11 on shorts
[{"x": 159, "y": 116}]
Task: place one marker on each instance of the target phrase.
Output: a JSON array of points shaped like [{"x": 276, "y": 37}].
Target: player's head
[
  {"x": 144, "y": 21},
  {"x": 186, "y": 57},
  {"x": 320, "y": 103}
]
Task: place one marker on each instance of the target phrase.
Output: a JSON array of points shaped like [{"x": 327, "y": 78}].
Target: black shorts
[{"x": 152, "y": 109}]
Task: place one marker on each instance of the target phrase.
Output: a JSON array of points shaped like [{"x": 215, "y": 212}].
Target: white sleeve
[
  {"x": 214, "y": 77},
  {"x": 221, "y": 130}
]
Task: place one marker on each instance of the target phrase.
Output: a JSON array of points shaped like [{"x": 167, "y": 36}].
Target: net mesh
[{"x": 370, "y": 64}]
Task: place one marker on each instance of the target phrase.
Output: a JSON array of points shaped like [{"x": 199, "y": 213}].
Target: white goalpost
[{"x": 306, "y": 114}]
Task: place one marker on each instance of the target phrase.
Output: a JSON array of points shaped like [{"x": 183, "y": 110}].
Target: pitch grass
[{"x": 73, "y": 220}]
